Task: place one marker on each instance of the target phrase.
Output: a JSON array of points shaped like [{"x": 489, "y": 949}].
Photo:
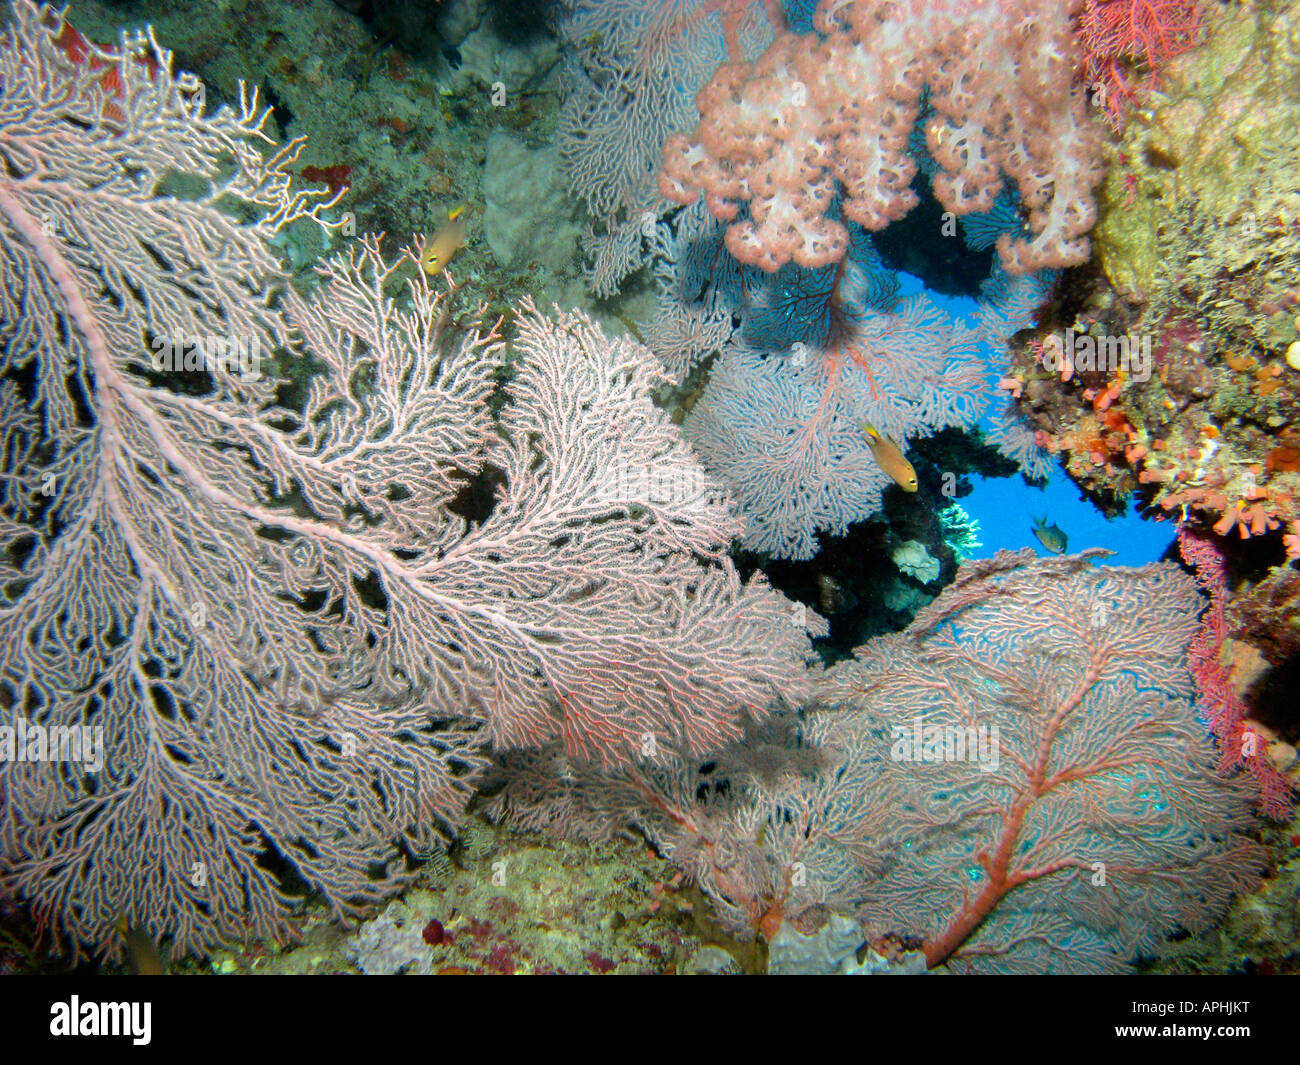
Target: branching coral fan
[
  {"x": 269, "y": 618},
  {"x": 1018, "y": 783}
]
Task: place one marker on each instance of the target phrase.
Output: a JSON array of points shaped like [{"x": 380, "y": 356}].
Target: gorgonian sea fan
[{"x": 270, "y": 611}]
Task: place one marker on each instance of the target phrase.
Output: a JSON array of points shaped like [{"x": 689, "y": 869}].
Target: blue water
[{"x": 1006, "y": 507}]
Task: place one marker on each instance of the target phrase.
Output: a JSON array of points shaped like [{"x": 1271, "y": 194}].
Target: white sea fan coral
[{"x": 258, "y": 599}]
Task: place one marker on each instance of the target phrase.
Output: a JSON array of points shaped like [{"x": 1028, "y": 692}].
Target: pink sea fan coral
[{"x": 256, "y": 604}]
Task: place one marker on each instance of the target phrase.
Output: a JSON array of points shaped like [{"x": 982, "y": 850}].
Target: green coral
[
  {"x": 960, "y": 531},
  {"x": 1199, "y": 211}
]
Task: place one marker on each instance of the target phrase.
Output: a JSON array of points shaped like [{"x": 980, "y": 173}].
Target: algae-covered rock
[{"x": 1202, "y": 183}]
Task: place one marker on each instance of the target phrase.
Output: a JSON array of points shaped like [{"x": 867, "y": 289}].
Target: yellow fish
[
  {"x": 142, "y": 957},
  {"x": 889, "y": 457},
  {"x": 444, "y": 243}
]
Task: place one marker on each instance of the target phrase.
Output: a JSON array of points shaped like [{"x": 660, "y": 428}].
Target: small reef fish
[
  {"x": 889, "y": 457},
  {"x": 444, "y": 244},
  {"x": 832, "y": 596},
  {"x": 1050, "y": 536},
  {"x": 142, "y": 955}
]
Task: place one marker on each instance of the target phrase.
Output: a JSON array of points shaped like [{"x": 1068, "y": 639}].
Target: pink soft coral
[{"x": 834, "y": 111}]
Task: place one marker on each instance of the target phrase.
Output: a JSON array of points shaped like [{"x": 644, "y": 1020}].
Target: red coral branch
[
  {"x": 1224, "y": 711},
  {"x": 1120, "y": 35}
]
